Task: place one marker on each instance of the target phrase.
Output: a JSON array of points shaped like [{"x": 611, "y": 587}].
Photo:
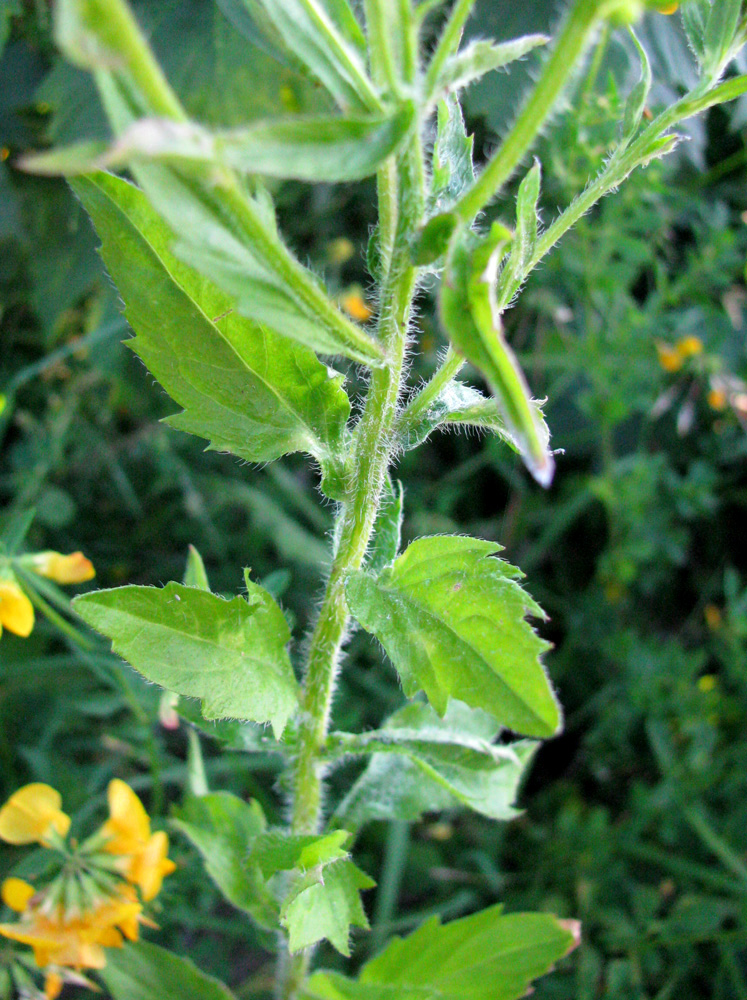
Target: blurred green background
[{"x": 634, "y": 329}]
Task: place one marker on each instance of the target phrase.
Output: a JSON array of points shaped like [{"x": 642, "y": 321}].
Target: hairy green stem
[
  {"x": 450, "y": 366},
  {"x": 400, "y": 199},
  {"x": 572, "y": 41},
  {"x": 449, "y": 41}
]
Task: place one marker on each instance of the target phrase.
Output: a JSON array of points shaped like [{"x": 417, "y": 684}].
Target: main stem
[{"x": 371, "y": 458}]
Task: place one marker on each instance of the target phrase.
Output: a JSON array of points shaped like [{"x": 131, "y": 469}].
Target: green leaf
[
  {"x": 482, "y": 57},
  {"x": 323, "y": 900},
  {"x": 720, "y": 29},
  {"x": 324, "y": 45},
  {"x": 276, "y": 850},
  {"x": 317, "y": 149},
  {"x": 525, "y": 237},
  {"x": 195, "y": 574},
  {"x": 471, "y": 316},
  {"x": 144, "y": 971},
  {"x": 223, "y": 827},
  {"x": 422, "y": 764},
  {"x": 451, "y": 619},
  {"x": 456, "y": 406},
  {"x": 387, "y": 532},
  {"x": 694, "y": 17},
  {"x": 231, "y": 654},
  {"x": 487, "y": 956},
  {"x": 636, "y": 102},
  {"x": 246, "y": 390},
  {"x": 325, "y": 905},
  {"x": 248, "y": 737},
  {"x": 453, "y": 170}
]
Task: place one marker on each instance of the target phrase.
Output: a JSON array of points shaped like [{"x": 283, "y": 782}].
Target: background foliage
[{"x": 636, "y": 815}]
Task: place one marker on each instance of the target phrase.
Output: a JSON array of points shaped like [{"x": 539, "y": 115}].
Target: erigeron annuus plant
[{"x": 232, "y": 325}]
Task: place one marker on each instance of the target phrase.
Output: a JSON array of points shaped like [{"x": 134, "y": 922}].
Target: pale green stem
[
  {"x": 419, "y": 405},
  {"x": 448, "y": 43},
  {"x": 572, "y": 41},
  {"x": 383, "y": 63}
]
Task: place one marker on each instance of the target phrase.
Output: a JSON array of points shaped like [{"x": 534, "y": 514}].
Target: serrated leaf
[
  {"x": 487, "y": 956},
  {"x": 422, "y": 764},
  {"x": 451, "y": 618},
  {"x": 636, "y": 102},
  {"x": 143, "y": 971},
  {"x": 325, "y": 906},
  {"x": 230, "y": 654},
  {"x": 387, "y": 532},
  {"x": 324, "y": 45},
  {"x": 223, "y": 827},
  {"x": 245, "y": 389},
  {"x": 471, "y": 316},
  {"x": 276, "y": 850},
  {"x": 483, "y": 57}
]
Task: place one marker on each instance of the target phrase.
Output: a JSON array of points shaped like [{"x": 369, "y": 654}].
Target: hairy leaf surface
[
  {"x": 231, "y": 654},
  {"x": 451, "y": 618},
  {"x": 245, "y": 389},
  {"x": 422, "y": 763}
]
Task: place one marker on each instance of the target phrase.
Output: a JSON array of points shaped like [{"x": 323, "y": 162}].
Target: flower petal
[
  {"x": 16, "y": 610},
  {"x": 16, "y": 893},
  {"x": 31, "y": 813}
]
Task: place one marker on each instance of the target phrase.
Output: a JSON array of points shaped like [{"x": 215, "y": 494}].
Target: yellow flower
[
  {"x": 717, "y": 399},
  {"x": 16, "y": 610},
  {"x": 74, "y": 568},
  {"x": 688, "y": 347},
  {"x": 77, "y": 942},
  {"x": 670, "y": 358},
  {"x": 707, "y": 683},
  {"x": 145, "y": 861},
  {"x": 31, "y": 814},
  {"x": 16, "y": 894},
  {"x": 356, "y": 307},
  {"x": 670, "y": 8}
]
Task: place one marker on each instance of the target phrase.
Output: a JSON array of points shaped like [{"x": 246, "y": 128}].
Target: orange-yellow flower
[
  {"x": 144, "y": 855},
  {"x": 77, "y": 942},
  {"x": 688, "y": 347},
  {"x": 356, "y": 306},
  {"x": 670, "y": 8},
  {"x": 31, "y": 814},
  {"x": 16, "y": 610},
  {"x": 74, "y": 568},
  {"x": 52, "y": 985}
]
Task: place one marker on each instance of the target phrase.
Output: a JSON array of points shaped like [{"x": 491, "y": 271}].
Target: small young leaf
[
  {"x": 695, "y": 14},
  {"x": 482, "y": 57},
  {"x": 245, "y": 389},
  {"x": 223, "y": 827},
  {"x": 471, "y": 317},
  {"x": 487, "y": 956},
  {"x": 451, "y": 619},
  {"x": 421, "y": 764},
  {"x": 453, "y": 170},
  {"x": 143, "y": 971},
  {"x": 195, "y": 574},
  {"x": 525, "y": 237},
  {"x": 636, "y": 102},
  {"x": 387, "y": 533},
  {"x": 276, "y": 851},
  {"x": 459, "y": 405},
  {"x": 231, "y": 654},
  {"x": 325, "y": 905}
]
